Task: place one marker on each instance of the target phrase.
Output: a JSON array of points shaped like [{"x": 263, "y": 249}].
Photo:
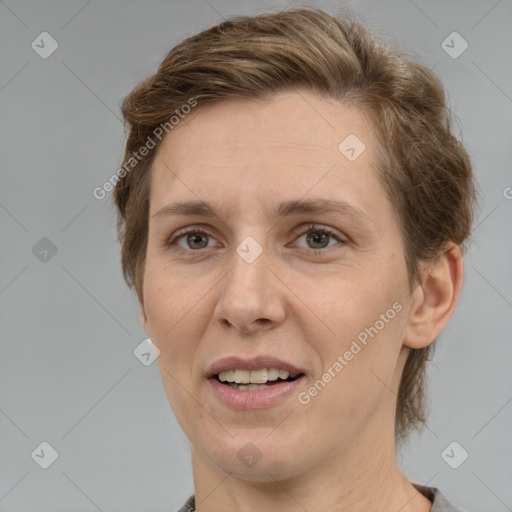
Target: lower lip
[{"x": 257, "y": 399}]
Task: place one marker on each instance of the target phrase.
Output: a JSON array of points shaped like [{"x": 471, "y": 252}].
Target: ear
[
  {"x": 143, "y": 317},
  {"x": 434, "y": 300}
]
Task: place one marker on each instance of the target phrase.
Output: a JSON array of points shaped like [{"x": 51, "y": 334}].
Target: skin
[{"x": 298, "y": 301}]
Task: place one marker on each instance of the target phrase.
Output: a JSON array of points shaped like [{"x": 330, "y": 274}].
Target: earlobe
[
  {"x": 435, "y": 299},
  {"x": 143, "y": 317}
]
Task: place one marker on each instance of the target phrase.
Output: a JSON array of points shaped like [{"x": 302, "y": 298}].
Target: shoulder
[
  {"x": 190, "y": 505},
  {"x": 439, "y": 502}
]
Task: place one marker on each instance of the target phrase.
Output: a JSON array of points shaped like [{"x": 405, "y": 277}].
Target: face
[{"x": 299, "y": 258}]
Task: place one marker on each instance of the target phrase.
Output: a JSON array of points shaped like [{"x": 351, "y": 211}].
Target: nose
[{"x": 251, "y": 297}]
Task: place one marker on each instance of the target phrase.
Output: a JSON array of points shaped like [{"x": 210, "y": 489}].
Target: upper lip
[{"x": 256, "y": 363}]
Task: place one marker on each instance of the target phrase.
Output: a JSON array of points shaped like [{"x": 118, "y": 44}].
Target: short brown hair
[{"x": 424, "y": 168}]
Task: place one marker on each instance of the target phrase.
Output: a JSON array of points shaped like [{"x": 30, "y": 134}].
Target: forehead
[
  {"x": 285, "y": 120},
  {"x": 245, "y": 151}
]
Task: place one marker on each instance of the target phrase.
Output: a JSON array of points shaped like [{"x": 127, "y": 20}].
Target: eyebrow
[{"x": 287, "y": 208}]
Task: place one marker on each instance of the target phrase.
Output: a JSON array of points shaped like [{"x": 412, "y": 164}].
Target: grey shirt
[{"x": 439, "y": 502}]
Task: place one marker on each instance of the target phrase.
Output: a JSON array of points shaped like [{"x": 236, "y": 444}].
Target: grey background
[{"x": 69, "y": 324}]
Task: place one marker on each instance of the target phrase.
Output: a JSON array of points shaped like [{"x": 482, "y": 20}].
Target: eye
[
  {"x": 191, "y": 239},
  {"x": 319, "y": 238},
  {"x": 194, "y": 239}
]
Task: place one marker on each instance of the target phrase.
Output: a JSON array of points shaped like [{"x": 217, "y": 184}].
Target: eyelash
[{"x": 173, "y": 242}]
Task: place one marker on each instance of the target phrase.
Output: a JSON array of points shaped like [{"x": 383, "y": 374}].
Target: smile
[{"x": 256, "y": 379}]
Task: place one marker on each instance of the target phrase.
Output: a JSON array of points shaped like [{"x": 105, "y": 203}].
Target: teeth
[
  {"x": 248, "y": 387},
  {"x": 258, "y": 376},
  {"x": 254, "y": 376},
  {"x": 272, "y": 373},
  {"x": 242, "y": 377}
]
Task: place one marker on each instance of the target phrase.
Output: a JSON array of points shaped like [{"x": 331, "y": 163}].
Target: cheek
[
  {"x": 359, "y": 304},
  {"x": 167, "y": 297},
  {"x": 172, "y": 325},
  {"x": 363, "y": 377},
  {"x": 171, "y": 312},
  {"x": 366, "y": 317}
]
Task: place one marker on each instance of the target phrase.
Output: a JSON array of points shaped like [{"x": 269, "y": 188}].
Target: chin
[
  {"x": 257, "y": 461},
  {"x": 263, "y": 472}
]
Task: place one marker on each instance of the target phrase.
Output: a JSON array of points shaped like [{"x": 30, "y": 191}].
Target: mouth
[
  {"x": 261, "y": 382},
  {"x": 245, "y": 380}
]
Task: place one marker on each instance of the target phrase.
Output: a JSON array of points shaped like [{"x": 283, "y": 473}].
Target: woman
[{"x": 292, "y": 208}]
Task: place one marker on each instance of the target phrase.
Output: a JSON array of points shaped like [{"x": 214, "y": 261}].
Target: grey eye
[
  {"x": 194, "y": 240},
  {"x": 319, "y": 240}
]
